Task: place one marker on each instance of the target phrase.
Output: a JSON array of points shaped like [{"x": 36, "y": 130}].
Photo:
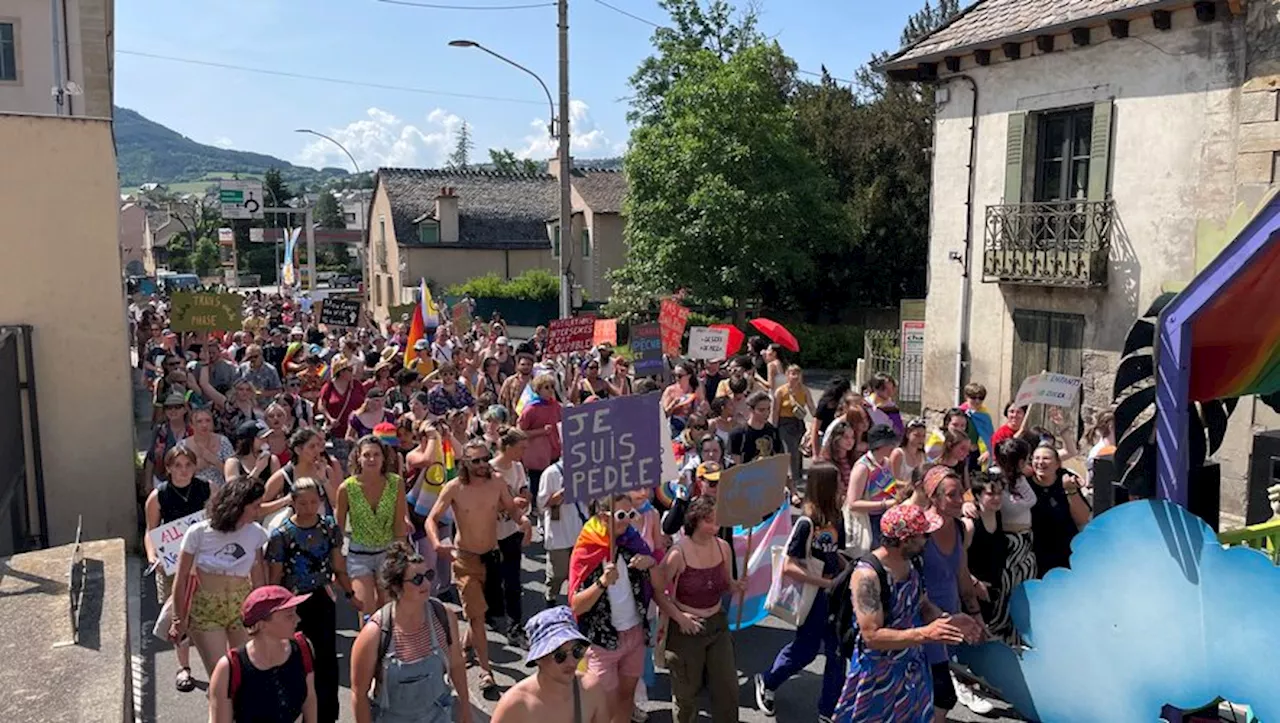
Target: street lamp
[
  {"x": 364, "y": 222},
  {"x": 559, "y": 129}
]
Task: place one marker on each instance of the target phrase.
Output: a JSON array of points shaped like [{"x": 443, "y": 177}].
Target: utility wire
[
  {"x": 436, "y": 6},
  {"x": 339, "y": 81}
]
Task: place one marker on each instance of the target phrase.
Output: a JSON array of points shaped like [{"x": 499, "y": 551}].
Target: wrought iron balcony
[{"x": 1056, "y": 243}]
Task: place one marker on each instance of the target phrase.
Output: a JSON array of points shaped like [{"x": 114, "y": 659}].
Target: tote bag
[
  {"x": 789, "y": 599},
  {"x": 857, "y": 533}
]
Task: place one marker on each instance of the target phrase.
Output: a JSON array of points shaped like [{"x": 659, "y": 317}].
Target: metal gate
[
  {"x": 882, "y": 349},
  {"x": 21, "y": 474}
]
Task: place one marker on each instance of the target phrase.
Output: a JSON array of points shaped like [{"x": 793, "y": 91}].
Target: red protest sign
[
  {"x": 569, "y": 335},
  {"x": 606, "y": 332},
  {"x": 672, "y": 319}
]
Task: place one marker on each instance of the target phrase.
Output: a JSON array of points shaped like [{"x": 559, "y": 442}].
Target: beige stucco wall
[
  {"x": 61, "y": 275},
  {"x": 87, "y": 25},
  {"x": 1173, "y": 166},
  {"x": 609, "y": 252},
  {"x": 133, "y": 230}
]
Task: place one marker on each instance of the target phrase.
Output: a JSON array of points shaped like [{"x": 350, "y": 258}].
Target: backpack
[
  {"x": 233, "y": 661},
  {"x": 386, "y": 624},
  {"x": 840, "y": 613}
]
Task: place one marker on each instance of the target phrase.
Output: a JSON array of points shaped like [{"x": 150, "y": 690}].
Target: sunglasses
[
  {"x": 577, "y": 651},
  {"x": 174, "y": 407},
  {"x": 712, "y": 483},
  {"x": 622, "y": 515},
  {"x": 294, "y": 385},
  {"x": 478, "y": 460},
  {"x": 422, "y": 577},
  {"x": 699, "y": 427}
]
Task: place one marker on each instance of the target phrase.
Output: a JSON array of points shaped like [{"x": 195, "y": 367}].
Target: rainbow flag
[
  {"x": 765, "y": 536},
  {"x": 425, "y": 319},
  {"x": 429, "y": 484},
  {"x": 527, "y": 398},
  {"x": 981, "y": 428}
]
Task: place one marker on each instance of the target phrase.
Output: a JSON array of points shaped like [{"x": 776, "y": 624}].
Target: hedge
[{"x": 532, "y": 285}]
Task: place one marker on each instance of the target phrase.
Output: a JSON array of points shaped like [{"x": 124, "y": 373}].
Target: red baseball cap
[{"x": 266, "y": 600}]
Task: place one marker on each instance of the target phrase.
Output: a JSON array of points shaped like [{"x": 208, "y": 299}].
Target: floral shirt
[
  {"x": 597, "y": 623},
  {"x": 441, "y": 401},
  {"x": 305, "y": 552}
]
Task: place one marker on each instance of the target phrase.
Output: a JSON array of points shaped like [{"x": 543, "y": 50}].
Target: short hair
[
  {"x": 698, "y": 510},
  {"x": 448, "y": 368},
  {"x": 1012, "y": 405},
  {"x": 757, "y": 397},
  {"x": 421, "y": 398},
  {"x": 524, "y": 356},
  {"x": 542, "y": 381},
  {"x": 974, "y": 390},
  {"x": 406, "y": 376},
  {"x": 718, "y": 406},
  {"x": 739, "y": 385},
  {"x": 391, "y": 576},
  {"x": 601, "y": 504}
]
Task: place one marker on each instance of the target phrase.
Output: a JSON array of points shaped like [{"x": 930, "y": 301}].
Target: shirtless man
[
  {"x": 476, "y": 497},
  {"x": 557, "y": 691}
]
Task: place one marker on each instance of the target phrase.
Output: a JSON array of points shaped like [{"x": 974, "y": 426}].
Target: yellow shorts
[{"x": 213, "y": 610}]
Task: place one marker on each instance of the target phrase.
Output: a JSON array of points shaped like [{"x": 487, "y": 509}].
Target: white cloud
[
  {"x": 383, "y": 139},
  {"x": 586, "y": 139},
  {"x": 223, "y": 142}
]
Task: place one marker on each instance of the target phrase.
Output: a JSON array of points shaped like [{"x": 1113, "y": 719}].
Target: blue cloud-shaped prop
[{"x": 1153, "y": 612}]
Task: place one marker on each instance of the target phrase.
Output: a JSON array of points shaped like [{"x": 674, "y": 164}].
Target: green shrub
[
  {"x": 532, "y": 285},
  {"x": 828, "y": 347}
]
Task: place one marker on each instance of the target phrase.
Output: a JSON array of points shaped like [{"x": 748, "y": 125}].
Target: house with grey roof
[
  {"x": 449, "y": 226},
  {"x": 1088, "y": 155}
]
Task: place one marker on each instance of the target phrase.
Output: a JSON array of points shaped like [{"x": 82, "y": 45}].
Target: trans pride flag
[{"x": 765, "y": 536}]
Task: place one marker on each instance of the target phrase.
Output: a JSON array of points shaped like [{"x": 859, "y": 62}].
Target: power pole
[
  {"x": 566, "y": 170},
  {"x": 310, "y": 230}
]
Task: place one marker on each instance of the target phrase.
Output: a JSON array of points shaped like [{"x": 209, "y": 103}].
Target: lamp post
[
  {"x": 364, "y": 224},
  {"x": 559, "y": 129}
]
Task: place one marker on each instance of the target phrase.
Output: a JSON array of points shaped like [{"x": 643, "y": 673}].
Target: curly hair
[
  {"x": 699, "y": 509},
  {"x": 228, "y": 503},
  {"x": 395, "y": 565}
]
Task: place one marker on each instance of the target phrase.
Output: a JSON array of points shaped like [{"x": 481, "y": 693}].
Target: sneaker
[
  {"x": 764, "y": 696},
  {"x": 516, "y": 637},
  {"x": 970, "y": 699},
  {"x": 639, "y": 716}
]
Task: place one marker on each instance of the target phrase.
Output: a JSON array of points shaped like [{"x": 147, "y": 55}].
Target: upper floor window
[
  {"x": 9, "y": 51},
  {"x": 1062, "y": 158},
  {"x": 1059, "y": 155},
  {"x": 429, "y": 232},
  {"x": 586, "y": 244},
  {"x": 555, "y": 243},
  {"x": 382, "y": 244}
]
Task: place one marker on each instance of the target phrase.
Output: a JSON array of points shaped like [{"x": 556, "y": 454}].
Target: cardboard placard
[
  {"x": 612, "y": 446},
  {"x": 646, "y": 350},
  {"x": 340, "y": 312},
  {"x": 191, "y": 311},
  {"x": 708, "y": 343},
  {"x": 750, "y": 492},
  {"x": 606, "y": 332},
  {"x": 570, "y": 335},
  {"x": 402, "y": 313},
  {"x": 672, "y": 319},
  {"x": 1054, "y": 390},
  {"x": 167, "y": 539},
  {"x": 461, "y": 313}
]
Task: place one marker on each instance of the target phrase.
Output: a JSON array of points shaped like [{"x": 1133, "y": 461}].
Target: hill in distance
[{"x": 147, "y": 152}]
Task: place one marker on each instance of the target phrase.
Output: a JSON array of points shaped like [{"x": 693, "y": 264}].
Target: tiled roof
[
  {"x": 495, "y": 210},
  {"x": 602, "y": 190},
  {"x": 989, "y": 21}
]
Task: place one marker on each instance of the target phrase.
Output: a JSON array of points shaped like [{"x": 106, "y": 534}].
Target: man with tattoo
[{"x": 889, "y": 678}]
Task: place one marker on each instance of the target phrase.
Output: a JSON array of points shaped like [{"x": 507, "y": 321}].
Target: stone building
[{"x": 1088, "y": 155}]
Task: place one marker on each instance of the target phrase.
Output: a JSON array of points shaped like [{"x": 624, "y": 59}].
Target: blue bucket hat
[{"x": 548, "y": 630}]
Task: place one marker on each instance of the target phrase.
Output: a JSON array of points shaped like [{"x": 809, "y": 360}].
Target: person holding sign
[
  {"x": 180, "y": 496},
  {"x": 679, "y": 398}
]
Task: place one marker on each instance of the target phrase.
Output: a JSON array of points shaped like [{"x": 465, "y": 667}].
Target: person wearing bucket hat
[
  {"x": 872, "y": 488},
  {"x": 270, "y": 677},
  {"x": 887, "y": 677},
  {"x": 557, "y": 691}
]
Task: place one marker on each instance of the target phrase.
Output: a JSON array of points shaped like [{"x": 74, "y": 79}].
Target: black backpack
[{"x": 840, "y": 613}]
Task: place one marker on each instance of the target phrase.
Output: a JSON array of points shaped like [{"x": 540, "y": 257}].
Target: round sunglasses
[
  {"x": 621, "y": 515},
  {"x": 422, "y": 577},
  {"x": 578, "y": 650}
]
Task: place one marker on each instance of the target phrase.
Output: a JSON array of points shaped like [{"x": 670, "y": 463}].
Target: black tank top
[
  {"x": 263, "y": 476},
  {"x": 270, "y": 696},
  {"x": 176, "y": 503},
  {"x": 987, "y": 551}
]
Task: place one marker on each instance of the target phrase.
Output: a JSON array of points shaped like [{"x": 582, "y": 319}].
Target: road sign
[{"x": 240, "y": 199}]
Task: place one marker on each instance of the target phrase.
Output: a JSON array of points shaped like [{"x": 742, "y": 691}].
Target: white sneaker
[{"x": 970, "y": 699}]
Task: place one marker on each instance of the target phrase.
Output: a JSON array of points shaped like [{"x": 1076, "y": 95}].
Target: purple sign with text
[{"x": 612, "y": 446}]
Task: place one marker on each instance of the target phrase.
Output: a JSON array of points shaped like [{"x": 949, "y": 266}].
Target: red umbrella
[
  {"x": 736, "y": 337},
  {"x": 777, "y": 333}
]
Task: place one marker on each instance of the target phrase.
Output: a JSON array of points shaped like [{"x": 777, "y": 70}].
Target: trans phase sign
[{"x": 241, "y": 199}]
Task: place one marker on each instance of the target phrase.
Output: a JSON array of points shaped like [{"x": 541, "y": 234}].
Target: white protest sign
[
  {"x": 167, "y": 539},
  {"x": 1054, "y": 390},
  {"x": 708, "y": 343}
]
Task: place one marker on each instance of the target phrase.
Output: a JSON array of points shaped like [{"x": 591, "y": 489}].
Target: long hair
[
  {"x": 227, "y": 505},
  {"x": 464, "y": 466},
  {"x": 1011, "y": 456},
  {"x": 353, "y": 461},
  {"x": 821, "y": 496},
  {"x": 1104, "y": 424},
  {"x": 300, "y": 439},
  {"x": 835, "y": 393}
]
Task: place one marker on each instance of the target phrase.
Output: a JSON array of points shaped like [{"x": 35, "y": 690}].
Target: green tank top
[{"x": 370, "y": 528}]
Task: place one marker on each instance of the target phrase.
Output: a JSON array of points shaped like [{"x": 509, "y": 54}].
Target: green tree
[
  {"x": 460, "y": 159},
  {"x": 277, "y": 194},
  {"x": 504, "y": 161},
  {"x": 328, "y": 213},
  {"x": 205, "y": 258}
]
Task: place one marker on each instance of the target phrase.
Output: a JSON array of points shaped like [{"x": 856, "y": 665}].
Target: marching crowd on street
[{"x": 399, "y": 472}]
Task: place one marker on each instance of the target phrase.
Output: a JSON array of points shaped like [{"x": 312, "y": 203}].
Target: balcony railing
[{"x": 1056, "y": 243}]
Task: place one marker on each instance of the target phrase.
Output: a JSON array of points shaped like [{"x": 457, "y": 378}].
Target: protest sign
[
  {"x": 191, "y": 311},
  {"x": 646, "y": 350},
  {"x": 402, "y": 313},
  {"x": 606, "y": 332},
  {"x": 340, "y": 312},
  {"x": 569, "y": 335},
  {"x": 707, "y": 343},
  {"x": 672, "y": 319},
  {"x": 1055, "y": 390},
  {"x": 167, "y": 540},
  {"x": 750, "y": 492},
  {"x": 461, "y": 316},
  {"x": 612, "y": 446}
]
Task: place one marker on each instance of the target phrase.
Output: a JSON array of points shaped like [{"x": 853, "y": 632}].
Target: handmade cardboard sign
[
  {"x": 606, "y": 332},
  {"x": 340, "y": 312},
  {"x": 750, "y": 492},
  {"x": 672, "y": 318},
  {"x": 402, "y": 313},
  {"x": 191, "y": 311},
  {"x": 708, "y": 343},
  {"x": 646, "y": 350},
  {"x": 570, "y": 335},
  {"x": 461, "y": 313},
  {"x": 167, "y": 539},
  {"x": 612, "y": 446},
  {"x": 1055, "y": 390}
]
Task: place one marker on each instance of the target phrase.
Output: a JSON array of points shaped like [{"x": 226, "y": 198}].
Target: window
[
  {"x": 377, "y": 293},
  {"x": 349, "y": 218},
  {"x": 1058, "y": 155},
  {"x": 1062, "y": 155},
  {"x": 429, "y": 232},
  {"x": 1045, "y": 341},
  {"x": 9, "y": 51},
  {"x": 382, "y": 243},
  {"x": 586, "y": 244},
  {"x": 555, "y": 243}
]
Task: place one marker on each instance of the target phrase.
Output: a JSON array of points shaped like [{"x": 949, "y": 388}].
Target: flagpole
[{"x": 746, "y": 573}]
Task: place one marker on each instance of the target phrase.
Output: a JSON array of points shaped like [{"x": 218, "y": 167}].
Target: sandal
[
  {"x": 471, "y": 659},
  {"x": 487, "y": 683},
  {"x": 183, "y": 681}
]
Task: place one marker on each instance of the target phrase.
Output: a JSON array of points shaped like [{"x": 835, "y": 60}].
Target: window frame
[
  {"x": 586, "y": 243},
  {"x": 1069, "y": 159},
  {"x": 555, "y": 242},
  {"x": 429, "y": 225},
  {"x": 16, "y": 24}
]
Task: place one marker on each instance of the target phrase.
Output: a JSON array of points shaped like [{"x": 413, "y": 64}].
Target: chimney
[
  {"x": 447, "y": 214},
  {"x": 553, "y": 165}
]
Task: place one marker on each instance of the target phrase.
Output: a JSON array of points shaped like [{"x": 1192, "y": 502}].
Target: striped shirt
[{"x": 412, "y": 646}]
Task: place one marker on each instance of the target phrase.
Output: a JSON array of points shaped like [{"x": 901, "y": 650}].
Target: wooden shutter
[
  {"x": 586, "y": 244},
  {"x": 555, "y": 244},
  {"x": 1015, "y": 156},
  {"x": 1100, "y": 150}
]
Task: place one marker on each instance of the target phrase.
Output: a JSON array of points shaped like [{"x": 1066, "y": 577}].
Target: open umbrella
[
  {"x": 777, "y": 333},
  {"x": 736, "y": 337}
]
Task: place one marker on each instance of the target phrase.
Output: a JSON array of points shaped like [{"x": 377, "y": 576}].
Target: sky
[{"x": 405, "y": 92}]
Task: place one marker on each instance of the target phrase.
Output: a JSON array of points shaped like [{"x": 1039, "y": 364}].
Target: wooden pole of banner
[
  {"x": 746, "y": 571},
  {"x": 612, "y": 508}
]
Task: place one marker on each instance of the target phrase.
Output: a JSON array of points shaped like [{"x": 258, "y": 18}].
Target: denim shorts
[{"x": 364, "y": 564}]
